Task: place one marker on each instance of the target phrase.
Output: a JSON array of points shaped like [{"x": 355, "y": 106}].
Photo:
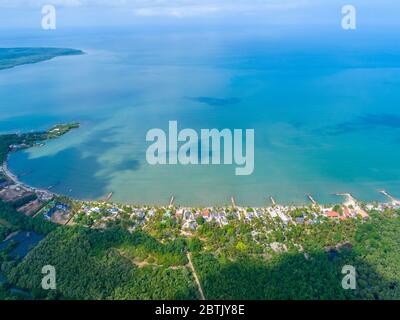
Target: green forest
[
  {"x": 93, "y": 265},
  {"x": 374, "y": 254},
  {"x": 116, "y": 264}
]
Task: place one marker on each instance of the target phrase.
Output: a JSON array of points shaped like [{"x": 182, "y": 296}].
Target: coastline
[
  {"x": 12, "y": 177},
  {"x": 349, "y": 199}
]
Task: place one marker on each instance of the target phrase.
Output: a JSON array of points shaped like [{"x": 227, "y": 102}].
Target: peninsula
[{"x": 13, "y": 57}]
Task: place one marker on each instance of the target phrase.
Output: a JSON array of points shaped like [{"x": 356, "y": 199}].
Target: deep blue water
[{"x": 324, "y": 106}]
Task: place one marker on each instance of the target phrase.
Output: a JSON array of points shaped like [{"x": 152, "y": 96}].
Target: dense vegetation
[
  {"x": 313, "y": 275},
  {"x": 115, "y": 264},
  {"x": 98, "y": 265}
]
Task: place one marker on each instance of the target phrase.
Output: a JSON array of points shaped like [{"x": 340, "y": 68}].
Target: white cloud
[
  {"x": 196, "y": 8},
  {"x": 178, "y": 12},
  {"x": 176, "y": 8}
]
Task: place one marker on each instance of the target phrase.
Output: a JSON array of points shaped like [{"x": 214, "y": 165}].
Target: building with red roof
[{"x": 332, "y": 214}]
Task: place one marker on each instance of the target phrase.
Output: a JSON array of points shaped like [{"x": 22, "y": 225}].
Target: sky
[{"x": 80, "y": 13}]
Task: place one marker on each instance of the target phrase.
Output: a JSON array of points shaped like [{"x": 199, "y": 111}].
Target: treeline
[{"x": 89, "y": 265}]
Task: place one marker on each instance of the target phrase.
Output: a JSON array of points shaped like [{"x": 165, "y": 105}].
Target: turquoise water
[{"x": 324, "y": 106}]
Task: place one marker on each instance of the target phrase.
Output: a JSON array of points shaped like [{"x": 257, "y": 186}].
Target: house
[
  {"x": 179, "y": 213},
  {"x": 205, "y": 214},
  {"x": 332, "y": 214},
  {"x": 187, "y": 215},
  {"x": 190, "y": 224},
  {"x": 95, "y": 209},
  {"x": 50, "y": 213},
  {"x": 363, "y": 214},
  {"x": 113, "y": 211},
  {"x": 300, "y": 220},
  {"x": 167, "y": 214},
  {"x": 140, "y": 214},
  {"x": 272, "y": 213},
  {"x": 347, "y": 212},
  {"x": 224, "y": 221},
  {"x": 259, "y": 214},
  {"x": 62, "y": 207},
  {"x": 285, "y": 219},
  {"x": 370, "y": 206}
]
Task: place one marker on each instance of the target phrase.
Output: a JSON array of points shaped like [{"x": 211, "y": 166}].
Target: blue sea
[{"x": 324, "y": 104}]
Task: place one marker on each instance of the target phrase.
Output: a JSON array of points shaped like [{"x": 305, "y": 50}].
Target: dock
[
  {"x": 171, "y": 201},
  {"x": 350, "y": 200},
  {"x": 53, "y": 186},
  {"x": 272, "y": 200},
  {"x": 390, "y": 197},
  {"x": 310, "y": 197},
  {"x": 108, "y": 198},
  {"x": 233, "y": 202}
]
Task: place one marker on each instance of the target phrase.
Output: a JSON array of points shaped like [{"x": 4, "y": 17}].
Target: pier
[
  {"x": 108, "y": 198},
  {"x": 350, "y": 200},
  {"x": 272, "y": 200},
  {"x": 310, "y": 197},
  {"x": 390, "y": 197},
  {"x": 171, "y": 201},
  {"x": 233, "y": 202}
]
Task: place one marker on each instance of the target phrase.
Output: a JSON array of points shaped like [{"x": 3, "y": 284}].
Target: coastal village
[
  {"x": 35, "y": 202},
  {"x": 98, "y": 214}
]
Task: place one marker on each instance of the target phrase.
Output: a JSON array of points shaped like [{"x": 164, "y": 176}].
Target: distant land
[{"x": 13, "y": 57}]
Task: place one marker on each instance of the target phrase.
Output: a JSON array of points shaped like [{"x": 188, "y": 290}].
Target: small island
[{"x": 13, "y": 57}]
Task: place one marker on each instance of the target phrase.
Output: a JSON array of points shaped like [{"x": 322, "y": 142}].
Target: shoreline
[
  {"x": 348, "y": 197},
  {"x": 169, "y": 201},
  {"x": 13, "y": 178}
]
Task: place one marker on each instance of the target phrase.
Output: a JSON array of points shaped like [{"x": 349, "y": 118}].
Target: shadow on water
[
  {"x": 215, "y": 102},
  {"x": 364, "y": 122},
  {"x": 74, "y": 171},
  {"x": 60, "y": 171}
]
